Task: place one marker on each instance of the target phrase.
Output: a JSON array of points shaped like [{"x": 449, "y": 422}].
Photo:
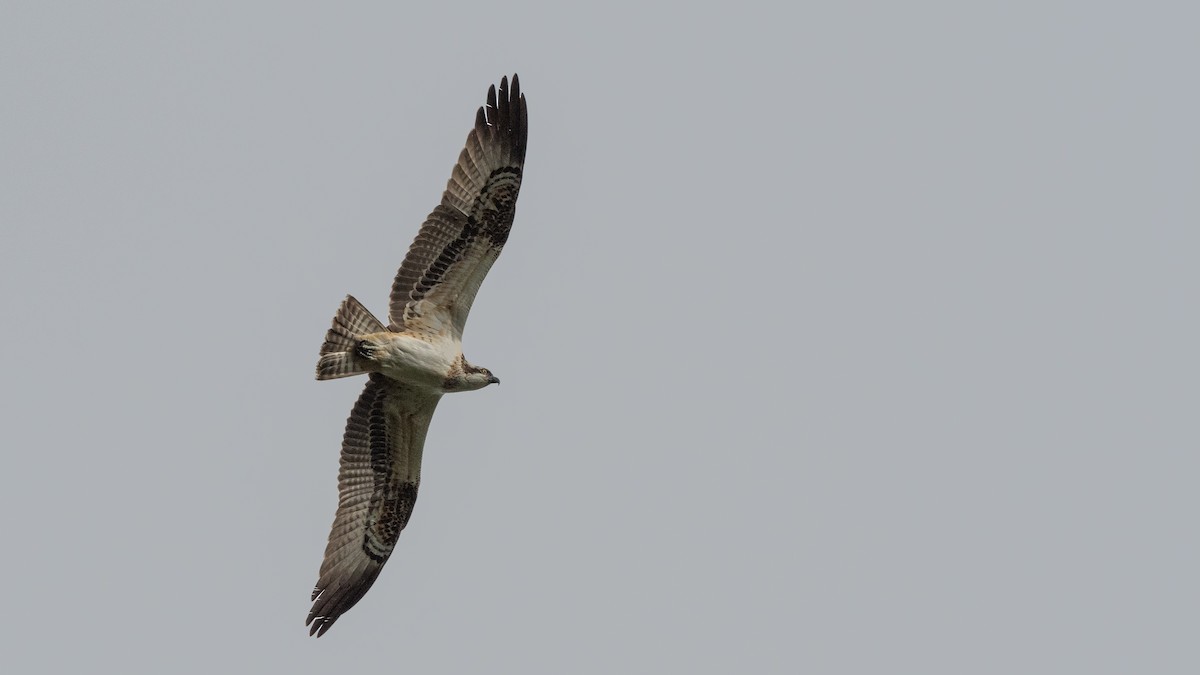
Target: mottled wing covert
[
  {"x": 377, "y": 486},
  {"x": 463, "y": 236}
]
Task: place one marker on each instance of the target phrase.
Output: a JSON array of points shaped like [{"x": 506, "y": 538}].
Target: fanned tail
[{"x": 339, "y": 357}]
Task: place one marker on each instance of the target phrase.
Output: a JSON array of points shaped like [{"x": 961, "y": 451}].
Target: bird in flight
[{"x": 417, "y": 356}]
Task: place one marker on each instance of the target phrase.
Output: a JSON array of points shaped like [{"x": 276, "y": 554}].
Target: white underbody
[{"x": 415, "y": 360}]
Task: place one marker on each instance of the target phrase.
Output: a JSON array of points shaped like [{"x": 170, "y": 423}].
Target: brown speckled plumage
[{"x": 430, "y": 299}]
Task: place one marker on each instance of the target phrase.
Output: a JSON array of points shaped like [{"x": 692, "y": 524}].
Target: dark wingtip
[
  {"x": 318, "y": 624},
  {"x": 505, "y": 118}
]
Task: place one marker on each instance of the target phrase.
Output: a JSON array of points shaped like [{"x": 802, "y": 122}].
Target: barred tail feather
[{"x": 338, "y": 356}]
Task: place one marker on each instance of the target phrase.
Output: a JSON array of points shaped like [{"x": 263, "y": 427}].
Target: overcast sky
[{"x": 851, "y": 338}]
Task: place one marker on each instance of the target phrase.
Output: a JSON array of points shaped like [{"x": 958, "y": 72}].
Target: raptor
[{"x": 417, "y": 357}]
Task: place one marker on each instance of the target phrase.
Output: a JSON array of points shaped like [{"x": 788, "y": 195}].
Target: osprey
[{"x": 418, "y": 356}]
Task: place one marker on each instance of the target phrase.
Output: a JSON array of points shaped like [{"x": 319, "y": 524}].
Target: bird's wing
[
  {"x": 462, "y": 237},
  {"x": 377, "y": 487}
]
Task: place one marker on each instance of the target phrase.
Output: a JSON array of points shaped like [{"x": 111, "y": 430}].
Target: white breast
[{"x": 418, "y": 361}]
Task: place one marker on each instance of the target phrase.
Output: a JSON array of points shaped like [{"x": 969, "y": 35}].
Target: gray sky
[{"x": 857, "y": 338}]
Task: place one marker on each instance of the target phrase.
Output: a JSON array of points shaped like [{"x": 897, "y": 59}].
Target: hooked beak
[{"x": 493, "y": 380}]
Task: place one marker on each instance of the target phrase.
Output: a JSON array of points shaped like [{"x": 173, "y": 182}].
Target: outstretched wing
[
  {"x": 377, "y": 486},
  {"x": 460, "y": 240}
]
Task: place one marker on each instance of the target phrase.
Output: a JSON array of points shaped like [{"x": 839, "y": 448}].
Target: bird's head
[{"x": 474, "y": 378}]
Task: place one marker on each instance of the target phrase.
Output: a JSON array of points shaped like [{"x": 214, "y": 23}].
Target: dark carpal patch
[
  {"x": 491, "y": 217},
  {"x": 389, "y": 514},
  {"x": 497, "y": 202},
  {"x": 393, "y": 498}
]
